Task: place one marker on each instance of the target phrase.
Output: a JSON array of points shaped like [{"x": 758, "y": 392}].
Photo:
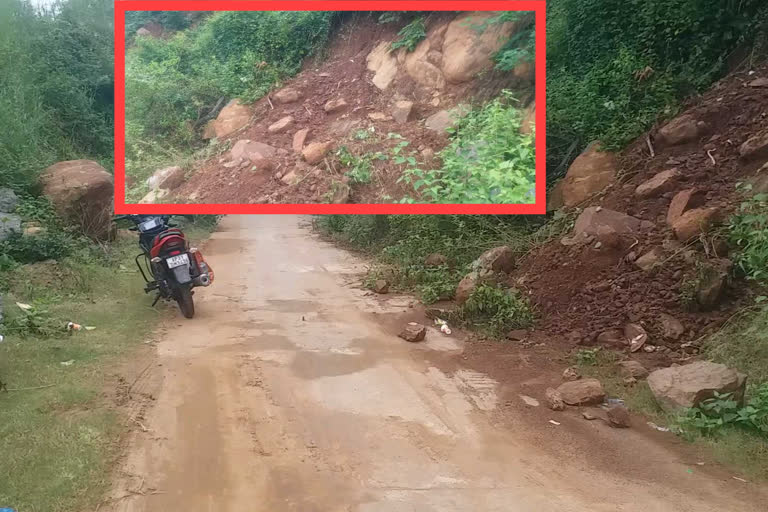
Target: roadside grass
[{"x": 58, "y": 442}]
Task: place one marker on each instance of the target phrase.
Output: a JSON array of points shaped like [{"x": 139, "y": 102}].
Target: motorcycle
[{"x": 173, "y": 268}]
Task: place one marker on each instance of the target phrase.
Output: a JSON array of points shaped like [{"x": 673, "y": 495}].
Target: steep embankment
[
  {"x": 646, "y": 244},
  {"x": 345, "y": 130}
]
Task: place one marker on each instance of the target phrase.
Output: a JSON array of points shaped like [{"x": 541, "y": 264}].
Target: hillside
[{"x": 364, "y": 120}]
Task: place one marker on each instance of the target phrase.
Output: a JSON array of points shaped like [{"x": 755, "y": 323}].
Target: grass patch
[
  {"x": 487, "y": 161},
  {"x": 495, "y": 310},
  {"x": 58, "y": 442}
]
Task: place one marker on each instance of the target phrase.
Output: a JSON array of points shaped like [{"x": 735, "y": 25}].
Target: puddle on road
[
  {"x": 293, "y": 305},
  {"x": 379, "y": 391},
  {"x": 314, "y": 365}
]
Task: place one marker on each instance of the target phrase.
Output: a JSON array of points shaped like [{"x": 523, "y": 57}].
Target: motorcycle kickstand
[{"x": 157, "y": 298}]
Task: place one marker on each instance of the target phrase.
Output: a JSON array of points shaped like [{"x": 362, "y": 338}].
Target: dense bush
[
  {"x": 748, "y": 232},
  {"x": 496, "y": 310},
  {"x": 722, "y": 411},
  {"x": 487, "y": 161},
  {"x": 171, "y": 85},
  {"x": 57, "y": 86},
  {"x": 613, "y": 68}
]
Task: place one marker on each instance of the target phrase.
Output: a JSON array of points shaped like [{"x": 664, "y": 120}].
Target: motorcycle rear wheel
[{"x": 186, "y": 303}]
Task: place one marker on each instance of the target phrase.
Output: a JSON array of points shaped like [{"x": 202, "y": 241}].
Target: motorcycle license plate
[
  {"x": 148, "y": 225},
  {"x": 177, "y": 261}
]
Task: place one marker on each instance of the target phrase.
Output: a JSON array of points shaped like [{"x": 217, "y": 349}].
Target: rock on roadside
[
  {"x": 686, "y": 386},
  {"x": 413, "y": 332},
  {"x": 582, "y": 392}
]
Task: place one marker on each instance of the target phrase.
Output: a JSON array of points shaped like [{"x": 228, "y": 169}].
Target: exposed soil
[
  {"x": 342, "y": 75},
  {"x": 581, "y": 291}
]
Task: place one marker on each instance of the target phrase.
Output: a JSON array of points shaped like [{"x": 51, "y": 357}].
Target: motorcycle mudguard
[{"x": 182, "y": 274}]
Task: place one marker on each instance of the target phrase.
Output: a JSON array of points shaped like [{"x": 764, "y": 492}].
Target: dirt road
[{"x": 288, "y": 393}]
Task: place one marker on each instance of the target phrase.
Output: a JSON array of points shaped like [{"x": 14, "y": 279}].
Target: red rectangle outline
[{"x": 538, "y": 6}]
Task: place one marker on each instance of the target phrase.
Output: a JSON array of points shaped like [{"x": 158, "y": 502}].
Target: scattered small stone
[
  {"x": 281, "y": 125},
  {"x": 299, "y": 138},
  {"x": 517, "y": 335},
  {"x": 670, "y": 326},
  {"x": 436, "y": 260},
  {"x": 287, "y": 95},
  {"x": 630, "y": 381},
  {"x": 571, "y": 374},
  {"x": 618, "y": 416},
  {"x": 759, "y": 82},
  {"x": 335, "y": 105},
  {"x": 315, "y": 152},
  {"x": 381, "y": 286},
  {"x": 401, "y": 111},
  {"x": 554, "y": 422},
  {"x": 529, "y": 400},
  {"x": 650, "y": 259},
  {"x": 633, "y": 369},
  {"x": 554, "y": 400},
  {"x": 636, "y": 336},
  {"x": 588, "y": 415}
]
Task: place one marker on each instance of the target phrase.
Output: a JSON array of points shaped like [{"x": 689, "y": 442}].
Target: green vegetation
[
  {"x": 410, "y": 35},
  {"x": 748, "y": 232},
  {"x": 56, "y": 82},
  {"x": 724, "y": 411},
  {"x": 174, "y": 85},
  {"x": 487, "y": 161},
  {"x": 401, "y": 244},
  {"x": 495, "y": 310},
  {"x": 58, "y": 432},
  {"x": 613, "y": 68}
]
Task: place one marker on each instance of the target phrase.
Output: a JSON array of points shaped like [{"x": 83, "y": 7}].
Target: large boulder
[
  {"x": 682, "y": 130},
  {"x": 470, "y": 282},
  {"x": 82, "y": 193},
  {"x": 383, "y": 64},
  {"x": 420, "y": 64},
  {"x": 498, "y": 259},
  {"x": 590, "y": 173},
  {"x": 467, "y": 51},
  {"x": 582, "y": 392},
  {"x": 232, "y": 117},
  {"x": 685, "y": 386},
  {"x": 168, "y": 178},
  {"x": 8, "y": 200},
  {"x": 9, "y": 224}
]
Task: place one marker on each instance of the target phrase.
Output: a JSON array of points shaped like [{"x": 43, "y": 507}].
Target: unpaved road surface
[{"x": 287, "y": 393}]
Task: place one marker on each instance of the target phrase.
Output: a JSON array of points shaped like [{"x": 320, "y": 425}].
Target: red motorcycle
[{"x": 174, "y": 267}]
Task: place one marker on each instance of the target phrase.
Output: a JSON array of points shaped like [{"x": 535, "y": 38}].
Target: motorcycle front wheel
[{"x": 186, "y": 303}]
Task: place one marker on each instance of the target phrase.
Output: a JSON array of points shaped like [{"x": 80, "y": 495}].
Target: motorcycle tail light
[{"x": 174, "y": 253}]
